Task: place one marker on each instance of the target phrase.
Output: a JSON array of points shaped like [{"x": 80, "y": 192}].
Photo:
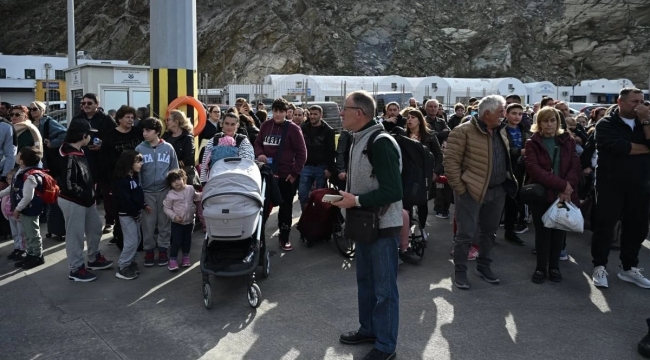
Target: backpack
[
  {"x": 50, "y": 190},
  {"x": 221, "y": 152},
  {"x": 417, "y": 164}
]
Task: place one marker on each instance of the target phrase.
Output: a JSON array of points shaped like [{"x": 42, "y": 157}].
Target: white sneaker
[
  {"x": 634, "y": 276},
  {"x": 600, "y": 277}
]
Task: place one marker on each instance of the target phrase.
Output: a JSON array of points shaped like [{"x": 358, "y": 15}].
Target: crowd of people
[{"x": 486, "y": 154}]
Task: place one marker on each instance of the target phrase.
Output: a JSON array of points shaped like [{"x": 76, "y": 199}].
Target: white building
[
  {"x": 537, "y": 90},
  {"x": 430, "y": 87},
  {"x": 19, "y": 74}
]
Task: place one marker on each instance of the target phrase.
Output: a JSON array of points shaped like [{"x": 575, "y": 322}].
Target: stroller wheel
[
  {"x": 345, "y": 246},
  {"x": 254, "y": 296},
  {"x": 266, "y": 265},
  {"x": 418, "y": 248},
  {"x": 207, "y": 295}
]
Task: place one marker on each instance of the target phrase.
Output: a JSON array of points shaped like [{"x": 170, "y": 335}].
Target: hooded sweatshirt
[
  {"x": 294, "y": 154},
  {"x": 181, "y": 204},
  {"x": 157, "y": 162}
]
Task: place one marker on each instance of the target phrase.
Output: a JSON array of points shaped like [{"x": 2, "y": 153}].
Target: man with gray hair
[
  {"x": 478, "y": 168},
  {"x": 374, "y": 184}
]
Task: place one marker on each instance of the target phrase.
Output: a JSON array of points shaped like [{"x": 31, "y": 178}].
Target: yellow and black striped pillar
[
  {"x": 169, "y": 84},
  {"x": 173, "y": 55}
]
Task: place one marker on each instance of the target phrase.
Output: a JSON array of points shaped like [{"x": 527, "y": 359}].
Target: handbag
[
  {"x": 563, "y": 215},
  {"x": 193, "y": 177},
  {"x": 535, "y": 193},
  {"x": 362, "y": 223}
]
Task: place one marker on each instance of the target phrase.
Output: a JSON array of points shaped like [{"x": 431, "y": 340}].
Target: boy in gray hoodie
[{"x": 159, "y": 158}]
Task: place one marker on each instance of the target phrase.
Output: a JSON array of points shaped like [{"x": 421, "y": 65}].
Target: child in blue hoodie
[
  {"x": 129, "y": 199},
  {"x": 159, "y": 158}
]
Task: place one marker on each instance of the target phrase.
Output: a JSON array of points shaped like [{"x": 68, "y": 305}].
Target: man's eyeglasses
[
  {"x": 354, "y": 107},
  {"x": 87, "y": 103}
]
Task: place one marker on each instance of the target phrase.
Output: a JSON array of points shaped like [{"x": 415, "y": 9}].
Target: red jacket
[{"x": 538, "y": 166}]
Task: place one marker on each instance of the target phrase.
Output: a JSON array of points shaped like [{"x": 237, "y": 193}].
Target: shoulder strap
[
  {"x": 554, "y": 158},
  {"x": 239, "y": 138},
  {"x": 381, "y": 134},
  {"x": 278, "y": 155},
  {"x": 371, "y": 140}
]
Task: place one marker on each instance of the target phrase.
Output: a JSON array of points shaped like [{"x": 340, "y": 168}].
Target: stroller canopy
[{"x": 234, "y": 176}]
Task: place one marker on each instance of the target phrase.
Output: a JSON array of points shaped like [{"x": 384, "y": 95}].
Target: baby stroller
[{"x": 233, "y": 200}]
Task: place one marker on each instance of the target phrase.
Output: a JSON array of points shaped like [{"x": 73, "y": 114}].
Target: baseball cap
[{"x": 80, "y": 126}]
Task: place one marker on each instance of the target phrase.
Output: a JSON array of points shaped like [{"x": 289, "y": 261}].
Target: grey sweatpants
[
  {"x": 471, "y": 215},
  {"x": 157, "y": 218},
  {"x": 80, "y": 221},
  {"x": 131, "y": 236}
]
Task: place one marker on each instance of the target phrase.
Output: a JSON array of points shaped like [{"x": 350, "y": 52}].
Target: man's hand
[
  {"x": 262, "y": 158},
  {"x": 17, "y": 214},
  {"x": 94, "y": 147},
  {"x": 342, "y": 176},
  {"x": 523, "y": 152},
  {"x": 327, "y": 174},
  {"x": 178, "y": 219},
  {"x": 391, "y": 120},
  {"x": 587, "y": 171},
  {"x": 47, "y": 143},
  {"x": 290, "y": 179},
  {"x": 642, "y": 112},
  {"x": 347, "y": 201},
  {"x": 148, "y": 209}
]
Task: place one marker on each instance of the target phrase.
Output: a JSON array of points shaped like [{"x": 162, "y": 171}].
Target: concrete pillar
[{"x": 173, "y": 55}]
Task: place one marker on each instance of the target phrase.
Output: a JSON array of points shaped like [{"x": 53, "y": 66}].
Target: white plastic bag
[{"x": 564, "y": 216}]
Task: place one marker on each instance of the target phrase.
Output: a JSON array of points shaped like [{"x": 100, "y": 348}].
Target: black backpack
[{"x": 417, "y": 167}]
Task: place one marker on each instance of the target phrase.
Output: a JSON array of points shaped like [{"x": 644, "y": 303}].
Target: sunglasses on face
[
  {"x": 34, "y": 109},
  {"x": 17, "y": 114}
]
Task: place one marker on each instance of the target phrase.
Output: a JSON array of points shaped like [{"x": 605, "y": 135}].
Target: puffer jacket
[
  {"x": 181, "y": 203},
  {"x": 468, "y": 160}
]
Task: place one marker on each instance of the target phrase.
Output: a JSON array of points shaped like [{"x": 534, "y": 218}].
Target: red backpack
[{"x": 50, "y": 191}]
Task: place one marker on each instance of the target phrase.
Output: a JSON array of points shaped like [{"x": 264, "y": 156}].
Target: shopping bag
[{"x": 563, "y": 215}]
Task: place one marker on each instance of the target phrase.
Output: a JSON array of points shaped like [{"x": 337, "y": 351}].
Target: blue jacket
[{"x": 56, "y": 131}]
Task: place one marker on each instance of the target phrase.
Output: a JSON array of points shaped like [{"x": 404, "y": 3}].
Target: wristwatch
[{"x": 356, "y": 201}]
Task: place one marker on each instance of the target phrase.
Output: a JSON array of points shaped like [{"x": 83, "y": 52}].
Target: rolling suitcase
[
  {"x": 317, "y": 219},
  {"x": 55, "y": 222}
]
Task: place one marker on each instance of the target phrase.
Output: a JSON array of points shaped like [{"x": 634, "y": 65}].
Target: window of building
[
  {"x": 582, "y": 99},
  {"x": 59, "y": 75},
  {"x": 53, "y": 95},
  {"x": 393, "y": 86},
  {"x": 3, "y": 73},
  {"x": 30, "y": 74}
]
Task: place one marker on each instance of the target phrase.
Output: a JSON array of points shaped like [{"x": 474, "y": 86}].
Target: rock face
[{"x": 562, "y": 41}]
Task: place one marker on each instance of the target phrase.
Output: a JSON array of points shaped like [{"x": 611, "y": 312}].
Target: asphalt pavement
[{"x": 310, "y": 298}]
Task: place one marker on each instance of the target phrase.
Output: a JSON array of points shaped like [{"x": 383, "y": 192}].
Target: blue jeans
[
  {"x": 377, "y": 291},
  {"x": 308, "y": 176}
]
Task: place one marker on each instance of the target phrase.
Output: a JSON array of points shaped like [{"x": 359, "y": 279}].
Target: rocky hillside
[{"x": 562, "y": 41}]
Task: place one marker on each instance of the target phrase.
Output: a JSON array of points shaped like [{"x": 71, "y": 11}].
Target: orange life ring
[{"x": 189, "y": 100}]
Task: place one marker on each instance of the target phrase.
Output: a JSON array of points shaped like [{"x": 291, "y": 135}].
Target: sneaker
[
  {"x": 32, "y": 261},
  {"x": 16, "y": 255},
  {"x": 162, "y": 258},
  {"x": 82, "y": 275},
  {"x": 473, "y": 252},
  {"x": 409, "y": 257},
  {"x": 149, "y": 259},
  {"x": 487, "y": 274},
  {"x": 173, "y": 265},
  {"x": 354, "y": 338},
  {"x": 599, "y": 277},
  {"x": 512, "y": 237},
  {"x": 100, "y": 263},
  {"x": 128, "y": 273},
  {"x": 644, "y": 344},
  {"x": 634, "y": 276},
  {"x": 564, "y": 256},
  {"x": 185, "y": 261},
  {"x": 375, "y": 354},
  {"x": 442, "y": 214},
  {"x": 555, "y": 275},
  {"x": 460, "y": 280},
  {"x": 22, "y": 261},
  {"x": 521, "y": 228},
  {"x": 538, "y": 276},
  {"x": 107, "y": 229},
  {"x": 134, "y": 265},
  {"x": 286, "y": 246}
]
